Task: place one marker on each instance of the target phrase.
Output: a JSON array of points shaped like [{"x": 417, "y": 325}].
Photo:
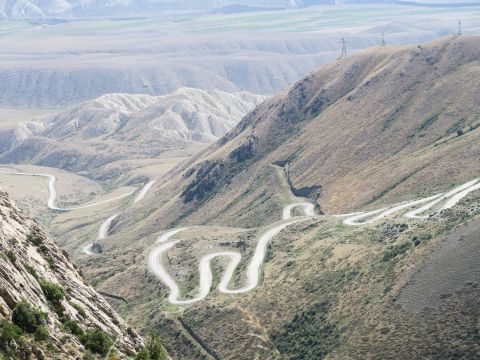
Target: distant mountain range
[{"x": 117, "y": 126}]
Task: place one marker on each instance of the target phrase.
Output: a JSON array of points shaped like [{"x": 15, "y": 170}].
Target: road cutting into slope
[
  {"x": 449, "y": 199},
  {"x": 104, "y": 227},
  {"x": 102, "y": 234},
  {"x": 53, "y": 192},
  {"x": 166, "y": 242}
]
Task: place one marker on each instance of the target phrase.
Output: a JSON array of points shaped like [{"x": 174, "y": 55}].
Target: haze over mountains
[
  {"x": 16, "y": 9},
  {"x": 336, "y": 219},
  {"x": 63, "y": 64},
  {"x": 124, "y": 126},
  {"x": 32, "y": 9}
]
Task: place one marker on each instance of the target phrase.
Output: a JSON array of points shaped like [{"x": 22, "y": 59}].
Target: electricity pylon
[
  {"x": 459, "y": 27},
  {"x": 344, "y": 49}
]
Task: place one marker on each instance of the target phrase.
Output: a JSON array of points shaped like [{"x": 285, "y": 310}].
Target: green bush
[
  {"x": 11, "y": 256},
  {"x": 72, "y": 327},
  {"x": 53, "y": 292},
  {"x": 41, "y": 334},
  {"x": 153, "y": 350},
  {"x": 79, "y": 309},
  {"x": 96, "y": 341},
  {"x": 309, "y": 336},
  {"x": 9, "y": 332},
  {"x": 31, "y": 271},
  {"x": 35, "y": 239},
  {"x": 88, "y": 356},
  {"x": 27, "y": 317},
  {"x": 396, "y": 250}
]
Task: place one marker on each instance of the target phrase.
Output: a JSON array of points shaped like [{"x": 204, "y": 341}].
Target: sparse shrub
[
  {"x": 11, "y": 256},
  {"x": 308, "y": 336},
  {"x": 54, "y": 294},
  {"x": 27, "y": 317},
  {"x": 51, "y": 263},
  {"x": 88, "y": 356},
  {"x": 459, "y": 132},
  {"x": 72, "y": 327},
  {"x": 9, "y": 332},
  {"x": 396, "y": 250},
  {"x": 96, "y": 341},
  {"x": 79, "y": 309},
  {"x": 41, "y": 334},
  {"x": 153, "y": 350},
  {"x": 35, "y": 239},
  {"x": 31, "y": 271}
]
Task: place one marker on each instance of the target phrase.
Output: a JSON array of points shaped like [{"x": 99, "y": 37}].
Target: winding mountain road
[
  {"x": 102, "y": 234},
  {"x": 417, "y": 209},
  {"x": 103, "y": 230},
  {"x": 166, "y": 242},
  {"x": 53, "y": 192}
]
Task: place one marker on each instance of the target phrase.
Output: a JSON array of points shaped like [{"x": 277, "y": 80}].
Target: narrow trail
[{"x": 166, "y": 241}]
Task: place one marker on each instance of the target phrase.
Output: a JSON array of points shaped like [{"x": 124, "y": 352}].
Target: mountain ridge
[
  {"x": 140, "y": 126},
  {"x": 351, "y": 91}
]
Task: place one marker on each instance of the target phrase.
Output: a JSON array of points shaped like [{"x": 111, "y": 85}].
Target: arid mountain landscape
[
  {"x": 124, "y": 126},
  {"x": 229, "y": 180},
  {"x": 407, "y": 139},
  {"x": 397, "y": 135},
  {"x": 76, "y": 60}
]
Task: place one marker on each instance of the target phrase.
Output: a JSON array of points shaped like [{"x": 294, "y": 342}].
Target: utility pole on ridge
[{"x": 344, "y": 49}]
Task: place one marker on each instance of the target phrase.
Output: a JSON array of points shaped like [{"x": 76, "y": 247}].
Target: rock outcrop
[{"x": 35, "y": 271}]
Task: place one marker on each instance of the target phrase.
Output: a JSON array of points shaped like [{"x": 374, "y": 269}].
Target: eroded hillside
[{"x": 118, "y": 127}]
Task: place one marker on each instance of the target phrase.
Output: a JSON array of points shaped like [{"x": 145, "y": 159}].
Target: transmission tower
[
  {"x": 344, "y": 49},
  {"x": 459, "y": 27},
  {"x": 383, "y": 39}
]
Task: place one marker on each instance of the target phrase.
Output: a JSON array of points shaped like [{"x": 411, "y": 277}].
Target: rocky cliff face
[{"x": 41, "y": 291}]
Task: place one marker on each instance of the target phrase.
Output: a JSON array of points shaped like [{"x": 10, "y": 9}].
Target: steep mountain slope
[
  {"x": 120, "y": 126},
  {"x": 364, "y": 133},
  {"x": 58, "y": 315},
  {"x": 386, "y": 125}
]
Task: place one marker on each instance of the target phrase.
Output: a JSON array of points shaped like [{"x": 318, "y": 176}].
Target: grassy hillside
[{"x": 383, "y": 126}]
